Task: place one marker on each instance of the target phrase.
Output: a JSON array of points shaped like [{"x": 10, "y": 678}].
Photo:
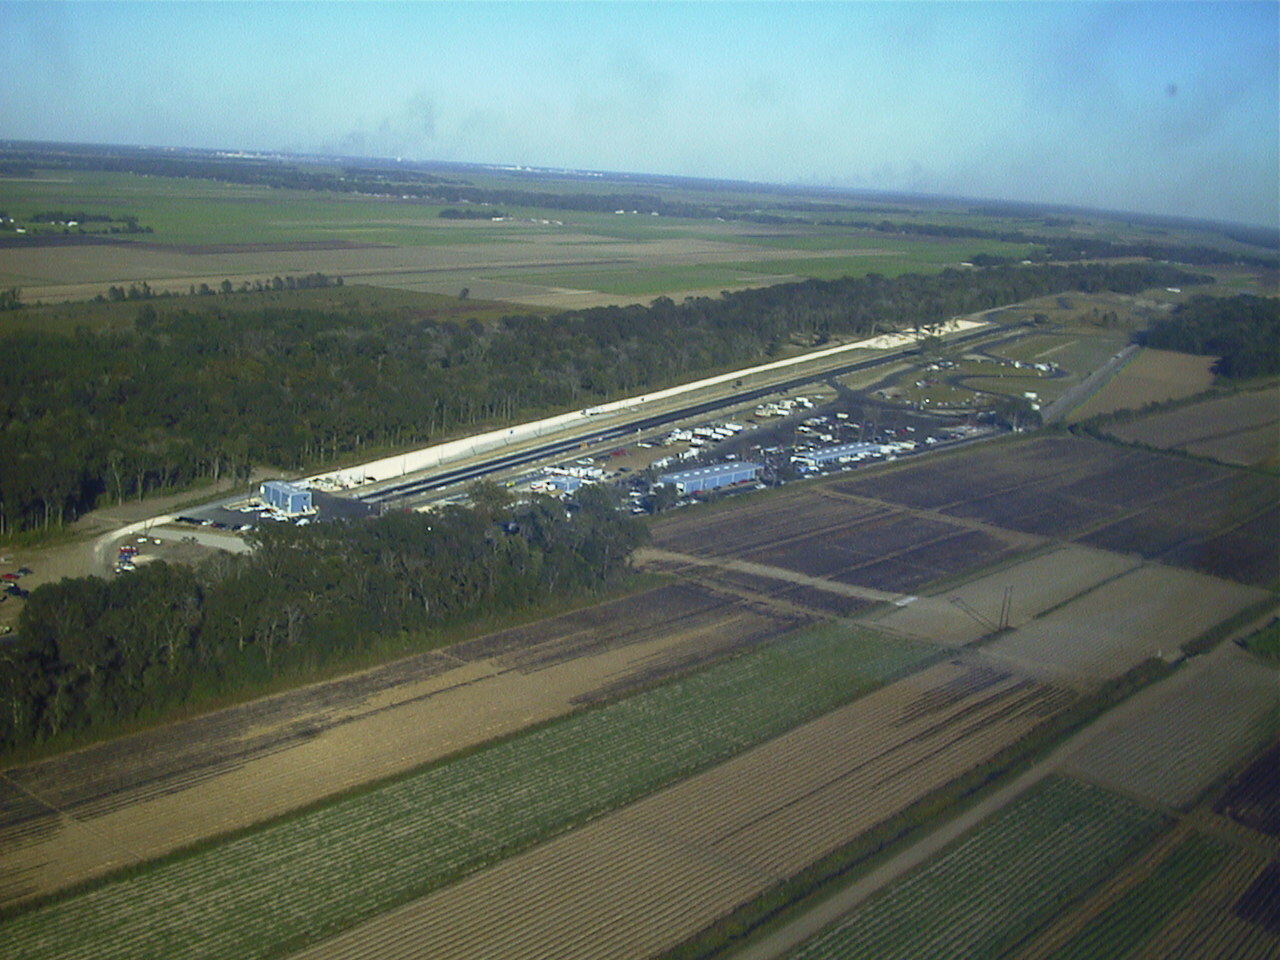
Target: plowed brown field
[
  {"x": 1240, "y": 428},
  {"x": 1148, "y": 612},
  {"x": 1170, "y": 750},
  {"x": 642, "y": 879},
  {"x": 89, "y": 812}
]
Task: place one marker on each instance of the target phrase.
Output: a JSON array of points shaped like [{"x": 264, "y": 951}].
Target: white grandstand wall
[{"x": 427, "y": 458}]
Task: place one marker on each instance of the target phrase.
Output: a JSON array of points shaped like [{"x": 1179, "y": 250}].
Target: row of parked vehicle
[{"x": 10, "y": 581}]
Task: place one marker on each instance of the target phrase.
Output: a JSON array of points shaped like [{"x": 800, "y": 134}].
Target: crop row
[
  {"x": 1210, "y": 924},
  {"x": 639, "y": 880},
  {"x": 1000, "y": 883},
  {"x": 1128, "y": 922},
  {"x": 1169, "y": 755},
  {"x": 313, "y": 875}
]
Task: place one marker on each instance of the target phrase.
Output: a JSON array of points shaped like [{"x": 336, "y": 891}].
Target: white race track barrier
[{"x": 389, "y": 468}]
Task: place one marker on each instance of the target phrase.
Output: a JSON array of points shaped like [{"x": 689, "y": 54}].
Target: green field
[
  {"x": 999, "y": 884},
  {"x": 315, "y": 874},
  {"x": 66, "y": 318},
  {"x": 208, "y": 212},
  {"x": 1128, "y": 922},
  {"x": 203, "y": 229}
]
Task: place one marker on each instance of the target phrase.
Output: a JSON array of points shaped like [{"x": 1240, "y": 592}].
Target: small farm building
[
  {"x": 709, "y": 478},
  {"x": 286, "y": 497},
  {"x": 852, "y": 450},
  {"x": 565, "y": 484}
]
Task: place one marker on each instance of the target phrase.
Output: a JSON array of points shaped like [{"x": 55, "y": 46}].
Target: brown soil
[
  {"x": 640, "y": 880},
  {"x": 85, "y": 813},
  {"x": 1153, "y": 376}
]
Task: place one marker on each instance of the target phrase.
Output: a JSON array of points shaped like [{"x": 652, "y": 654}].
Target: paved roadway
[
  {"x": 1087, "y": 387},
  {"x": 405, "y": 491}
]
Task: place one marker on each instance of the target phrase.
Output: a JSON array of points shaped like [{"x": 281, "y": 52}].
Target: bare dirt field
[
  {"x": 1033, "y": 585},
  {"x": 821, "y": 534},
  {"x": 88, "y": 812},
  {"x": 1171, "y": 750},
  {"x": 1153, "y": 376},
  {"x": 1243, "y": 428},
  {"x": 1227, "y": 528},
  {"x": 640, "y": 880},
  {"x": 1213, "y": 519},
  {"x": 1253, "y": 798},
  {"x": 1147, "y": 612}
]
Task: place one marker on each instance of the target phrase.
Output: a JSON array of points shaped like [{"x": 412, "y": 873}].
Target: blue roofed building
[
  {"x": 287, "y": 497},
  {"x": 712, "y": 477}
]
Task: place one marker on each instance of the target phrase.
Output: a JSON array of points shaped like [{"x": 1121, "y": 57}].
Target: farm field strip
[
  {"x": 155, "y": 791},
  {"x": 1252, "y": 800},
  {"x": 767, "y": 571},
  {"x": 726, "y": 826},
  {"x": 786, "y": 841},
  {"x": 1151, "y": 610},
  {"x": 1035, "y": 584},
  {"x": 999, "y": 883},
  {"x": 329, "y": 868},
  {"x": 1245, "y": 447},
  {"x": 1177, "y": 746},
  {"x": 1200, "y": 421},
  {"x": 771, "y": 522},
  {"x": 608, "y": 890},
  {"x": 1208, "y": 925},
  {"x": 893, "y": 734},
  {"x": 1153, "y": 376},
  {"x": 1133, "y": 910},
  {"x": 985, "y": 472}
]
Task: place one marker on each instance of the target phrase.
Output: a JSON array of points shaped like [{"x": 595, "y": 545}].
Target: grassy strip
[
  {"x": 1001, "y": 882},
  {"x": 272, "y": 891},
  {"x": 791, "y": 898},
  {"x": 1266, "y": 642},
  {"x": 1131, "y": 920},
  {"x": 1220, "y": 631}
]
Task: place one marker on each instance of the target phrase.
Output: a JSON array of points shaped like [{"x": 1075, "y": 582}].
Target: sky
[{"x": 1166, "y": 107}]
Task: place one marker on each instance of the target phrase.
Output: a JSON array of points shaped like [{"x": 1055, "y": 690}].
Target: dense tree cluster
[
  {"x": 1242, "y": 331},
  {"x": 483, "y": 213},
  {"x": 91, "y": 652},
  {"x": 192, "y": 392},
  {"x": 78, "y": 216},
  {"x": 1065, "y": 249},
  {"x": 144, "y": 291},
  {"x": 37, "y": 224}
]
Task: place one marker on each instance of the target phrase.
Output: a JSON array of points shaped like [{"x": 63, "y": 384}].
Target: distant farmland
[{"x": 1243, "y": 428}]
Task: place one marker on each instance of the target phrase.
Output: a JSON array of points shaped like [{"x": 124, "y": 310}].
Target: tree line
[
  {"x": 1063, "y": 249},
  {"x": 192, "y": 393},
  {"x": 1243, "y": 332},
  {"x": 144, "y": 291},
  {"x": 91, "y": 652}
]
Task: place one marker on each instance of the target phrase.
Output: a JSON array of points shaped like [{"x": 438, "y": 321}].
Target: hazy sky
[{"x": 1167, "y": 107}]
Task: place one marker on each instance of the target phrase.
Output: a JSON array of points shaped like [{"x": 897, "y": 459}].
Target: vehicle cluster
[
  {"x": 127, "y": 554},
  {"x": 10, "y": 581}
]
